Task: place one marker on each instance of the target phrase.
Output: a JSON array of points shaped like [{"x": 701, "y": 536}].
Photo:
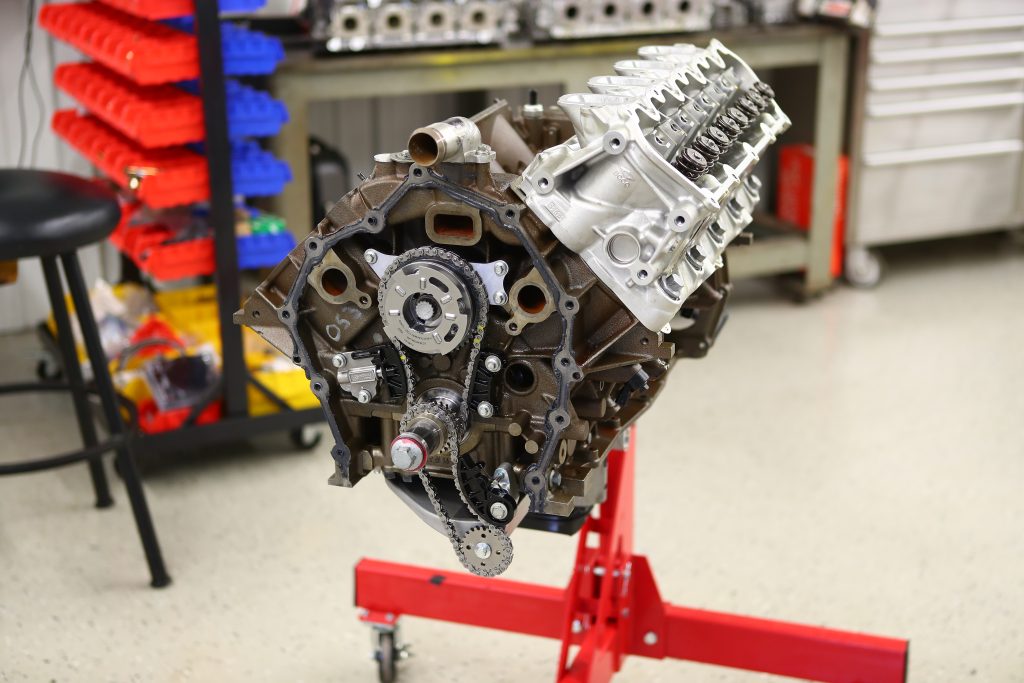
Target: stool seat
[{"x": 45, "y": 213}]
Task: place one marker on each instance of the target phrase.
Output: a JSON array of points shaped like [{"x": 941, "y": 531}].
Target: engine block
[{"x": 484, "y": 315}]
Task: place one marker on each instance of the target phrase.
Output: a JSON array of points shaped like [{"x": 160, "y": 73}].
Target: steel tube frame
[{"x": 612, "y": 608}]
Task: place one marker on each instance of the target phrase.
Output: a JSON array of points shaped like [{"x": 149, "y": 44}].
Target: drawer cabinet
[{"x": 938, "y": 144}]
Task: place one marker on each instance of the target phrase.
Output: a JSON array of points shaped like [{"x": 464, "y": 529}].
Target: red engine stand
[{"x": 612, "y": 609}]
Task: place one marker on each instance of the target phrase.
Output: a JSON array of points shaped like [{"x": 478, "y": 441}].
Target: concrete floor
[{"x": 857, "y": 462}]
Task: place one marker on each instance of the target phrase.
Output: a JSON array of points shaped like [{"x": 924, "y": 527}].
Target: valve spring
[
  {"x": 719, "y": 136},
  {"x": 766, "y": 91},
  {"x": 704, "y": 144},
  {"x": 758, "y": 101},
  {"x": 691, "y": 163},
  {"x": 737, "y": 115},
  {"x": 729, "y": 127},
  {"x": 748, "y": 107}
]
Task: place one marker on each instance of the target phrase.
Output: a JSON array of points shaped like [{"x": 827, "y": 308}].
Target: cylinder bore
[
  {"x": 519, "y": 377},
  {"x": 333, "y": 281},
  {"x": 531, "y": 299}
]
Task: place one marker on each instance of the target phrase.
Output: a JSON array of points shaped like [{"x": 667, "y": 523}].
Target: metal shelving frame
[
  {"x": 235, "y": 378},
  {"x": 302, "y": 80}
]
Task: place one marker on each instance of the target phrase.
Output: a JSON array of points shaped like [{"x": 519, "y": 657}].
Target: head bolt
[
  {"x": 500, "y": 298},
  {"x": 650, "y": 638},
  {"x": 339, "y": 360},
  {"x": 492, "y": 363},
  {"x": 499, "y": 511},
  {"x": 363, "y": 396},
  {"x": 371, "y": 256},
  {"x": 482, "y": 550},
  {"x": 485, "y": 409},
  {"x": 500, "y": 268}
]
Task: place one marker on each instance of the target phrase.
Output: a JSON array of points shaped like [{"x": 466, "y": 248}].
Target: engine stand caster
[
  {"x": 863, "y": 267},
  {"x": 388, "y": 651},
  {"x": 305, "y": 437},
  {"x": 48, "y": 370}
]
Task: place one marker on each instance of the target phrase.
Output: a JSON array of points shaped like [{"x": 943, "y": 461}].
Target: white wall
[{"x": 24, "y": 303}]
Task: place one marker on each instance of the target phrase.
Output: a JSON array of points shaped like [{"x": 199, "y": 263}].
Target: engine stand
[{"x": 612, "y": 608}]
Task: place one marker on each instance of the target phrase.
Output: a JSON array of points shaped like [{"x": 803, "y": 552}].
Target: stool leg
[
  {"x": 66, "y": 342},
  {"x": 105, "y": 387}
]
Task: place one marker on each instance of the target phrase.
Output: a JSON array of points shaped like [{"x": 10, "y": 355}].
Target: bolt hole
[
  {"x": 286, "y": 314},
  {"x": 317, "y": 387},
  {"x": 372, "y": 220},
  {"x": 510, "y": 213},
  {"x": 536, "y": 481},
  {"x": 479, "y": 17},
  {"x": 680, "y": 221},
  {"x": 255, "y": 314},
  {"x": 647, "y": 8},
  {"x": 313, "y": 246},
  {"x": 684, "y": 6},
  {"x": 577, "y": 376},
  {"x": 334, "y": 281},
  {"x": 564, "y": 362},
  {"x": 364, "y": 300},
  {"x": 350, "y": 24},
  {"x": 571, "y": 12},
  {"x": 616, "y": 143},
  {"x": 644, "y": 341},
  {"x": 570, "y": 305},
  {"x": 609, "y": 10},
  {"x": 531, "y": 299},
  {"x": 436, "y": 19},
  {"x": 543, "y": 183},
  {"x": 394, "y": 21},
  {"x": 417, "y": 172},
  {"x": 642, "y": 275},
  {"x": 559, "y": 419},
  {"x": 519, "y": 378}
]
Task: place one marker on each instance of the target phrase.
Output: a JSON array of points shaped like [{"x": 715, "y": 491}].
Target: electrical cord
[{"x": 28, "y": 74}]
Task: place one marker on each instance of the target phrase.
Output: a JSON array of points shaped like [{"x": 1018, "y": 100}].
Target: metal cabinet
[{"x": 938, "y": 131}]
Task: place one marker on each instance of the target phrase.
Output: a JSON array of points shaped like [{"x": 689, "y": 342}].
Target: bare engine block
[{"x": 484, "y": 315}]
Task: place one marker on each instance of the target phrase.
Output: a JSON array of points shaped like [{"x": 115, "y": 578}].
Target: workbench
[{"x": 304, "y": 79}]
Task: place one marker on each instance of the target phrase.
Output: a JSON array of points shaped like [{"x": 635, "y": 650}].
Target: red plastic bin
[
  {"x": 151, "y": 115},
  {"x": 153, "y": 420},
  {"x": 165, "y": 177},
  {"x": 145, "y": 51},
  {"x": 796, "y": 174},
  {"x": 154, "y": 249},
  {"x": 155, "y": 9}
]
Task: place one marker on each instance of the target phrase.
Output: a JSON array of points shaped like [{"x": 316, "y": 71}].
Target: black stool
[{"x": 48, "y": 216}]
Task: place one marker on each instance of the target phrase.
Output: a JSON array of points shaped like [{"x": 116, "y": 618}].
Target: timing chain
[{"x": 441, "y": 413}]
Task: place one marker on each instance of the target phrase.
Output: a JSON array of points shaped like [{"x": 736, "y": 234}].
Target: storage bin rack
[{"x": 162, "y": 121}]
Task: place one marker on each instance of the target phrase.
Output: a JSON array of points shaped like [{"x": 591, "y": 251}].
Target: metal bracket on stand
[{"x": 612, "y": 609}]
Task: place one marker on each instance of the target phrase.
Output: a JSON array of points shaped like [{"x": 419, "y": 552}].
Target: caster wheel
[
  {"x": 864, "y": 268},
  {"x": 305, "y": 438},
  {"x": 48, "y": 371},
  {"x": 387, "y": 657}
]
